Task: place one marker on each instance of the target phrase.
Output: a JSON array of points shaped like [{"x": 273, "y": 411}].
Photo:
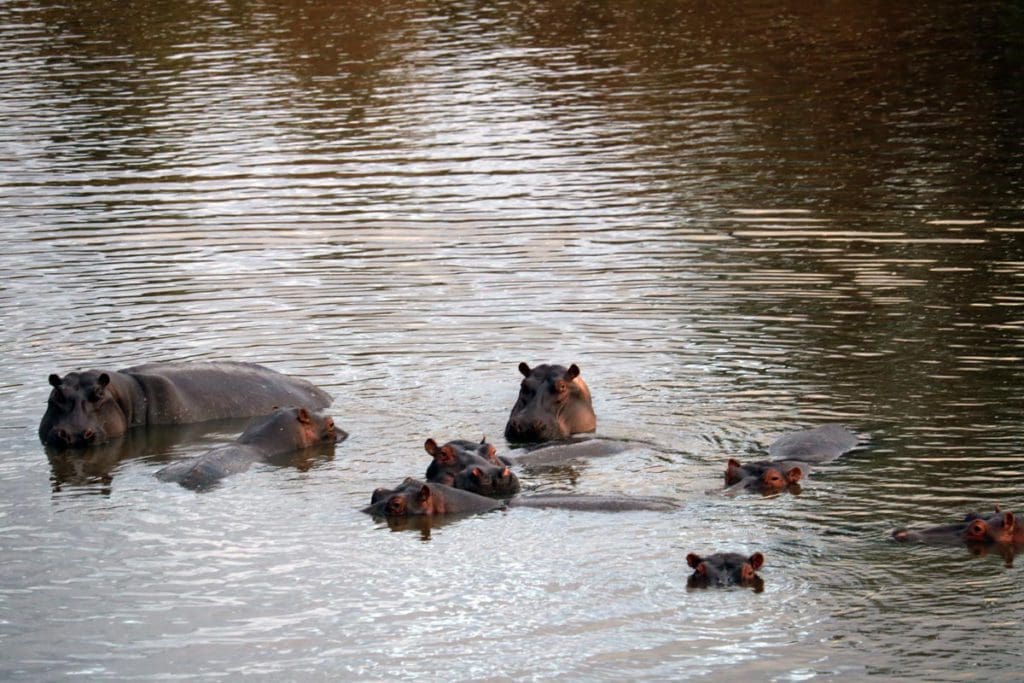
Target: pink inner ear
[
  {"x": 1009, "y": 521},
  {"x": 303, "y": 416},
  {"x": 572, "y": 373},
  {"x": 424, "y": 494},
  {"x": 794, "y": 475},
  {"x": 693, "y": 560},
  {"x": 430, "y": 446}
]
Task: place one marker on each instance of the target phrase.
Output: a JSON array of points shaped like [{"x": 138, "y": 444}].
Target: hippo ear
[
  {"x": 447, "y": 455},
  {"x": 423, "y": 495},
  {"x": 693, "y": 559},
  {"x": 731, "y": 468},
  {"x": 794, "y": 474},
  {"x": 430, "y": 446},
  {"x": 524, "y": 369},
  {"x": 756, "y": 561},
  {"x": 477, "y": 474},
  {"x": 572, "y": 373},
  {"x": 303, "y": 416},
  {"x": 1009, "y": 521},
  {"x": 103, "y": 380},
  {"x": 55, "y": 380}
]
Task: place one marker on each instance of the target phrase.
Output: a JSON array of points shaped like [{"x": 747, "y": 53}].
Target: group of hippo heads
[{"x": 88, "y": 409}]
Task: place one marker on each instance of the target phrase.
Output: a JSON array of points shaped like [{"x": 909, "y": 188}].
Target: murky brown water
[{"x": 738, "y": 222}]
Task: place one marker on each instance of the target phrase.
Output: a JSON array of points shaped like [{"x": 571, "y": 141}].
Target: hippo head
[
  {"x": 725, "y": 569},
  {"x": 291, "y": 429},
  {"x": 554, "y": 403},
  {"x": 82, "y": 410},
  {"x": 488, "y": 480},
  {"x": 412, "y": 497}
]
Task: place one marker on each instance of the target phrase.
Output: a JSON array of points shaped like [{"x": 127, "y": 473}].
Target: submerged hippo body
[
  {"x": 283, "y": 431},
  {"x": 417, "y": 498},
  {"x": 553, "y": 403},
  {"x": 91, "y": 407},
  {"x": 721, "y": 570},
  {"x": 470, "y": 466},
  {"x": 793, "y": 454},
  {"x": 976, "y": 529}
]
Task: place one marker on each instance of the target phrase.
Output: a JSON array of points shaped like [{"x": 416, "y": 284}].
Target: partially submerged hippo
[
  {"x": 470, "y": 466},
  {"x": 725, "y": 569},
  {"x": 767, "y": 477},
  {"x": 284, "y": 431},
  {"x": 414, "y": 497},
  {"x": 793, "y": 454},
  {"x": 976, "y": 529},
  {"x": 91, "y": 407},
  {"x": 553, "y": 403}
]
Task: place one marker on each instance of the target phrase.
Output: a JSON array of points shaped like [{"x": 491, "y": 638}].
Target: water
[{"x": 737, "y": 221}]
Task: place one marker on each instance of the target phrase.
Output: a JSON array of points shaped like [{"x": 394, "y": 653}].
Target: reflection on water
[{"x": 738, "y": 220}]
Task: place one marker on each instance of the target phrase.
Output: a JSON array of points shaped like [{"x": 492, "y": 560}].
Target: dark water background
[{"x": 738, "y": 220}]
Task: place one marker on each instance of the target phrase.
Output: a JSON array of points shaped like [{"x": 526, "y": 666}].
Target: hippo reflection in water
[{"x": 91, "y": 407}]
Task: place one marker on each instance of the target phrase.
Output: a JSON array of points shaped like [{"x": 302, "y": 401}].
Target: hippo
[
  {"x": 725, "y": 569},
  {"x": 470, "y": 466},
  {"x": 92, "y": 407},
  {"x": 999, "y": 528},
  {"x": 765, "y": 477},
  {"x": 554, "y": 403},
  {"x": 283, "y": 431},
  {"x": 414, "y": 498},
  {"x": 793, "y": 455}
]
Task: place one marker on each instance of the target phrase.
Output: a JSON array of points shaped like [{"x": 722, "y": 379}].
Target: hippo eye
[{"x": 396, "y": 506}]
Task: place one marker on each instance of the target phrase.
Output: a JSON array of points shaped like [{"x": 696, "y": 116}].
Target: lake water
[{"x": 738, "y": 220}]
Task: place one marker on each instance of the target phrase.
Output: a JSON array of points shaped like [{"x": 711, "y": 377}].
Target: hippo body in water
[
  {"x": 283, "y": 431},
  {"x": 417, "y": 498},
  {"x": 793, "y": 454},
  {"x": 553, "y": 403},
  {"x": 91, "y": 407}
]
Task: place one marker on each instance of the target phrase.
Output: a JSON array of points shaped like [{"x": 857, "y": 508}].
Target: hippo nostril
[
  {"x": 63, "y": 435},
  {"x": 89, "y": 435}
]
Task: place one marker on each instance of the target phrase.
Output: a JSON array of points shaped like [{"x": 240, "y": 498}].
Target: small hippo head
[
  {"x": 488, "y": 480},
  {"x": 553, "y": 403},
  {"x": 725, "y": 569},
  {"x": 291, "y": 429},
  {"x": 767, "y": 477},
  {"x": 976, "y": 531},
  {"x": 411, "y": 498},
  {"x": 451, "y": 459},
  {"x": 82, "y": 410}
]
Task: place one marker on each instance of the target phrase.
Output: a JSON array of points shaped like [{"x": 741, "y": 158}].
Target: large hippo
[
  {"x": 470, "y": 466},
  {"x": 998, "y": 528},
  {"x": 725, "y": 569},
  {"x": 553, "y": 403},
  {"x": 283, "y": 431},
  {"x": 91, "y": 407}
]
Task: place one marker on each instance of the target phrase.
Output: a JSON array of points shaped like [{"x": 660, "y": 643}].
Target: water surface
[{"x": 737, "y": 221}]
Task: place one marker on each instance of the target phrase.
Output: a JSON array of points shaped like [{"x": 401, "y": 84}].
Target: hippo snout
[{"x": 60, "y": 436}]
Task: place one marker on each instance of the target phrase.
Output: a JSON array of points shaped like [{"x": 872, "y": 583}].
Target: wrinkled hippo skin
[
  {"x": 286, "y": 430},
  {"x": 414, "y": 498},
  {"x": 721, "y": 570},
  {"x": 767, "y": 477},
  {"x": 553, "y": 403},
  {"x": 976, "y": 529},
  {"x": 470, "y": 466},
  {"x": 91, "y": 407}
]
